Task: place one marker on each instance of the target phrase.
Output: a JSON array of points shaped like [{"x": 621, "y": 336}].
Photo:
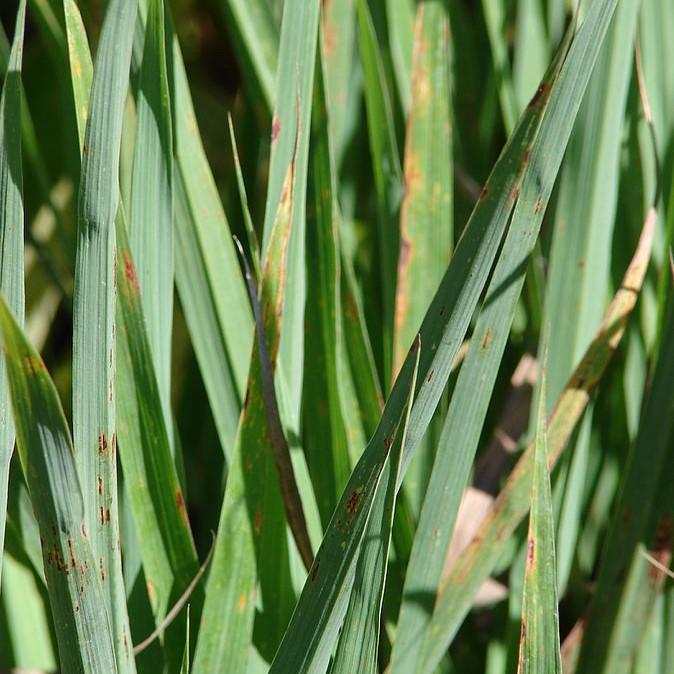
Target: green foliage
[{"x": 344, "y": 418}]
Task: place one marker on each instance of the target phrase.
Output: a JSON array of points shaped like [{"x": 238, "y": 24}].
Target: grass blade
[
  {"x": 388, "y": 177},
  {"x": 251, "y": 519},
  {"x": 209, "y": 281},
  {"x": 292, "y": 119},
  {"x": 478, "y": 560},
  {"x": 583, "y": 231},
  {"x": 426, "y": 212},
  {"x": 151, "y": 207},
  {"x": 609, "y": 636},
  {"x": 94, "y": 306},
  {"x": 324, "y": 429},
  {"x": 539, "y": 637},
  {"x": 468, "y": 406},
  {"x": 11, "y": 237},
  {"x": 157, "y": 502},
  {"x": 74, "y": 576},
  {"x": 310, "y": 637},
  {"x": 358, "y": 643}
]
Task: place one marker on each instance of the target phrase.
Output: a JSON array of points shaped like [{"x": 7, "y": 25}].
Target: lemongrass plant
[{"x": 337, "y": 447}]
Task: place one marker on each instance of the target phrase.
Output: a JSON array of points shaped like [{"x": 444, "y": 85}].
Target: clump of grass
[{"x": 429, "y": 195}]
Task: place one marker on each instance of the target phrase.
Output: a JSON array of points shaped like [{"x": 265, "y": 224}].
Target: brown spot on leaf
[
  {"x": 83, "y": 531},
  {"x": 486, "y": 340},
  {"x": 130, "y": 273},
  {"x": 257, "y": 522},
  {"x": 314, "y": 570},
  {"x": 353, "y": 503},
  {"x": 538, "y": 96},
  {"x": 531, "y": 550},
  {"x": 101, "y": 568},
  {"x": 484, "y": 193},
  {"x": 71, "y": 551},
  {"x": 102, "y": 444},
  {"x": 180, "y": 505},
  {"x": 538, "y": 206},
  {"x": 275, "y": 128},
  {"x": 430, "y": 376},
  {"x": 100, "y": 486}
]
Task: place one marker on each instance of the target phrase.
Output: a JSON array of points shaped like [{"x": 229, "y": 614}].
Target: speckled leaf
[
  {"x": 477, "y": 561},
  {"x": 74, "y": 577},
  {"x": 311, "y": 635},
  {"x": 539, "y": 633},
  {"x": 426, "y": 211},
  {"x": 93, "y": 309},
  {"x": 251, "y": 543}
]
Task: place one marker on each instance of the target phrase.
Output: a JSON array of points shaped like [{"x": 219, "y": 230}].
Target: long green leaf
[
  {"x": 310, "y": 637},
  {"x": 94, "y": 306},
  {"x": 252, "y": 530},
  {"x": 388, "y": 177},
  {"x": 357, "y": 648},
  {"x": 469, "y": 403},
  {"x": 610, "y": 640},
  {"x": 151, "y": 207},
  {"x": 75, "y": 576},
  {"x": 539, "y": 634},
  {"x": 582, "y": 237},
  {"x": 324, "y": 431},
  {"x": 11, "y": 237},
  {"x": 478, "y": 560},
  {"x": 292, "y": 118},
  {"x": 157, "y": 502},
  {"x": 426, "y": 212}
]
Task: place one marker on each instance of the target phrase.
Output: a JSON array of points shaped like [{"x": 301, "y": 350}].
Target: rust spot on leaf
[
  {"x": 275, "y": 128},
  {"x": 353, "y": 503},
  {"x": 35, "y": 365},
  {"x": 71, "y": 551},
  {"x": 540, "y": 93},
  {"x": 484, "y": 193},
  {"x": 538, "y": 206},
  {"x": 531, "y": 550},
  {"x": 130, "y": 273},
  {"x": 241, "y": 604},
  {"x": 314, "y": 570},
  {"x": 151, "y": 594},
  {"x": 180, "y": 505},
  {"x": 486, "y": 340}
]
